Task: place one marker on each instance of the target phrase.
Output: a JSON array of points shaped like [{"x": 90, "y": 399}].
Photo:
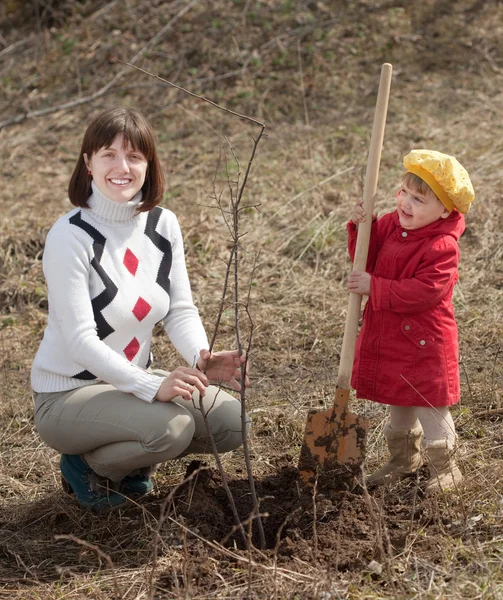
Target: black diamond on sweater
[
  {"x": 163, "y": 244},
  {"x": 108, "y": 294}
]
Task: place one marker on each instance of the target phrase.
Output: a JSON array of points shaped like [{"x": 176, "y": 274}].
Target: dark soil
[{"x": 339, "y": 529}]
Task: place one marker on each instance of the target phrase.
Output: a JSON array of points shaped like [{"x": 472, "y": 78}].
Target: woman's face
[{"x": 118, "y": 172}]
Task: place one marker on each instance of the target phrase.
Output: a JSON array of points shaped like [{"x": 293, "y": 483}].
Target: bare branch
[
  {"x": 222, "y": 472},
  {"x": 235, "y": 199},
  {"x": 203, "y": 98}
]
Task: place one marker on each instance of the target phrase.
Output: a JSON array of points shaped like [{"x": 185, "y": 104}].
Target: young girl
[
  {"x": 115, "y": 267},
  {"x": 407, "y": 349}
]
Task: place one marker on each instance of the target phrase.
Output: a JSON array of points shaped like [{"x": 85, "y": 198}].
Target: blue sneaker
[
  {"x": 136, "y": 485},
  {"x": 139, "y": 482},
  {"x": 76, "y": 477}
]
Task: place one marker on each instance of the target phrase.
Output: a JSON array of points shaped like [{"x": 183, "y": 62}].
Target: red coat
[{"x": 407, "y": 349}]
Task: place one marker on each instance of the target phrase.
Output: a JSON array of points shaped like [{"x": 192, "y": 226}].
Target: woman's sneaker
[
  {"x": 91, "y": 490},
  {"x": 138, "y": 483}
]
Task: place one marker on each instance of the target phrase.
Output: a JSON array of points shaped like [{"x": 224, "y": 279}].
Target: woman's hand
[
  {"x": 358, "y": 214},
  {"x": 183, "y": 381},
  {"x": 359, "y": 283},
  {"x": 223, "y": 366}
]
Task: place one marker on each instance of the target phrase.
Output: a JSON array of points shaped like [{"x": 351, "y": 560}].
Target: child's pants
[
  {"x": 118, "y": 433},
  {"x": 436, "y": 422}
]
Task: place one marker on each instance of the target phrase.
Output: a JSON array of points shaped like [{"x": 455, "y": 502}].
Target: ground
[{"x": 309, "y": 71}]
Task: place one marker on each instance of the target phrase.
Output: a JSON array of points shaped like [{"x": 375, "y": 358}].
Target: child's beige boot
[
  {"x": 444, "y": 472},
  {"x": 405, "y": 450}
]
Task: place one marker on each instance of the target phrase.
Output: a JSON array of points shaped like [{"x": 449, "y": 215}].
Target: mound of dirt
[{"x": 335, "y": 529}]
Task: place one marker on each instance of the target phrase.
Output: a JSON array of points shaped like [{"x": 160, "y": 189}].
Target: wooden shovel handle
[{"x": 363, "y": 238}]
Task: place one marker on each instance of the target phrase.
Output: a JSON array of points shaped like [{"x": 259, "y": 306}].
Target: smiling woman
[
  {"x": 119, "y": 171},
  {"x": 119, "y": 143},
  {"x": 115, "y": 267}
]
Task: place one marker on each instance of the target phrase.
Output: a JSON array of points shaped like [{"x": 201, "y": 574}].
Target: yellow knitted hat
[{"x": 445, "y": 176}]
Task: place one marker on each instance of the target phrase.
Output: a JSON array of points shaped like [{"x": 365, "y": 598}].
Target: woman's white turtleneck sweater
[{"x": 112, "y": 275}]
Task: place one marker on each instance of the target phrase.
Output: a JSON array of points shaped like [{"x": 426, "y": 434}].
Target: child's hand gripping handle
[{"x": 362, "y": 242}]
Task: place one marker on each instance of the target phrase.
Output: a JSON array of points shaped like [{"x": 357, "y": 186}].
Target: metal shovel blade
[{"x": 334, "y": 444}]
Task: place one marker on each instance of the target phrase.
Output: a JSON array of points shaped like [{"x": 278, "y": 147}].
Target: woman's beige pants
[{"x": 118, "y": 433}]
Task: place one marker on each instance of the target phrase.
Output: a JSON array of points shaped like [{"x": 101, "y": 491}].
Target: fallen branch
[
  {"x": 100, "y": 553},
  {"x": 18, "y": 44}
]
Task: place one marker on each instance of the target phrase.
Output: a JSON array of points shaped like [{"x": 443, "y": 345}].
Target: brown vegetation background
[{"x": 309, "y": 70}]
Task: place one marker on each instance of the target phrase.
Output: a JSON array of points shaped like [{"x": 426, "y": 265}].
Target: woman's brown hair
[{"x": 101, "y": 133}]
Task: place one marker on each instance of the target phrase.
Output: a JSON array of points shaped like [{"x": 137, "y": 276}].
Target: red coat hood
[{"x": 453, "y": 225}]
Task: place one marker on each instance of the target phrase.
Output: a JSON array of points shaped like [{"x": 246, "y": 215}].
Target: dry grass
[{"x": 396, "y": 543}]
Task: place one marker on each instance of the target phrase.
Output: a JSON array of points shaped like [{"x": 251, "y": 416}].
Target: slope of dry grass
[{"x": 310, "y": 71}]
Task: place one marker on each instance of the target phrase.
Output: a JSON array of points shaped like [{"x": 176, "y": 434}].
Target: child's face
[{"x": 417, "y": 210}]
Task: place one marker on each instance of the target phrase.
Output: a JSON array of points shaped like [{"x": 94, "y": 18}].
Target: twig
[
  {"x": 493, "y": 412},
  {"x": 306, "y": 191},
  {"x": 467, "y": 379},
  {"x": 277, "y": 544},
  {"x": 378, "y": 525},
  {"x": 236, "y": 246},
  {"x": 221, "y": 470},
  {"x": 413, "y": 507},
  {"x": 194, "y": 95},
  {"x": 222, "y": 300},
  {"x": 246, "y": 522},
  {"x": 102, "y": 91},
  {"x": 162, "y": 518},
  {"x": 101, "y": 10},
  {"x": 306, "y": 112},
  {"x": 228, "y": 266},
  {"x": 99, "y": 552},
  {"x": 18, "y": 44},
  {"x": 430, "y": 405},
  {"x": 287, "y": 573},
  {"x": 315, "y": 533},
  {"x": 494, "y": 366},
  {"x": 21, "y": 562},
  {"x": 233, "y": 260}
]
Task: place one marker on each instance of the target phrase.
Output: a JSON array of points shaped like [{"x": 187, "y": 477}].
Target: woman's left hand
[{"x": 223, "y": 366}]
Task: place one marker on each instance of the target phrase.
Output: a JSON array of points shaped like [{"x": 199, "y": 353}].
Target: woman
[{"x": 115, "y": 267}]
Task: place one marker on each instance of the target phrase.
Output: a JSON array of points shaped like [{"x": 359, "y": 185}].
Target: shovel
[{"x": 334, "y": 439}]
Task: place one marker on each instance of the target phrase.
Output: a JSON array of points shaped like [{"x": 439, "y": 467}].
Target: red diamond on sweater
[
  {"x": 131, "y": 350},
  {"x": 141, "y": 309},
  {"x": 130, "y": 262}
]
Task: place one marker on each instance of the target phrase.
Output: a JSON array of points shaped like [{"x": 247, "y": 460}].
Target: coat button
[
  {"x": 423, "y": 343},
  {"x": 407, "y": 327},
  {"x": 404, "y": 234}
]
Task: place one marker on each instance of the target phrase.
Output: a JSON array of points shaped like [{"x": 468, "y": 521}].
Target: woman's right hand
[{"x": 183, "y": 381}]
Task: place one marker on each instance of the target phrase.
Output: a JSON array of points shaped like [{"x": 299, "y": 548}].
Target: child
[{"x": 407, "y": 350}]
